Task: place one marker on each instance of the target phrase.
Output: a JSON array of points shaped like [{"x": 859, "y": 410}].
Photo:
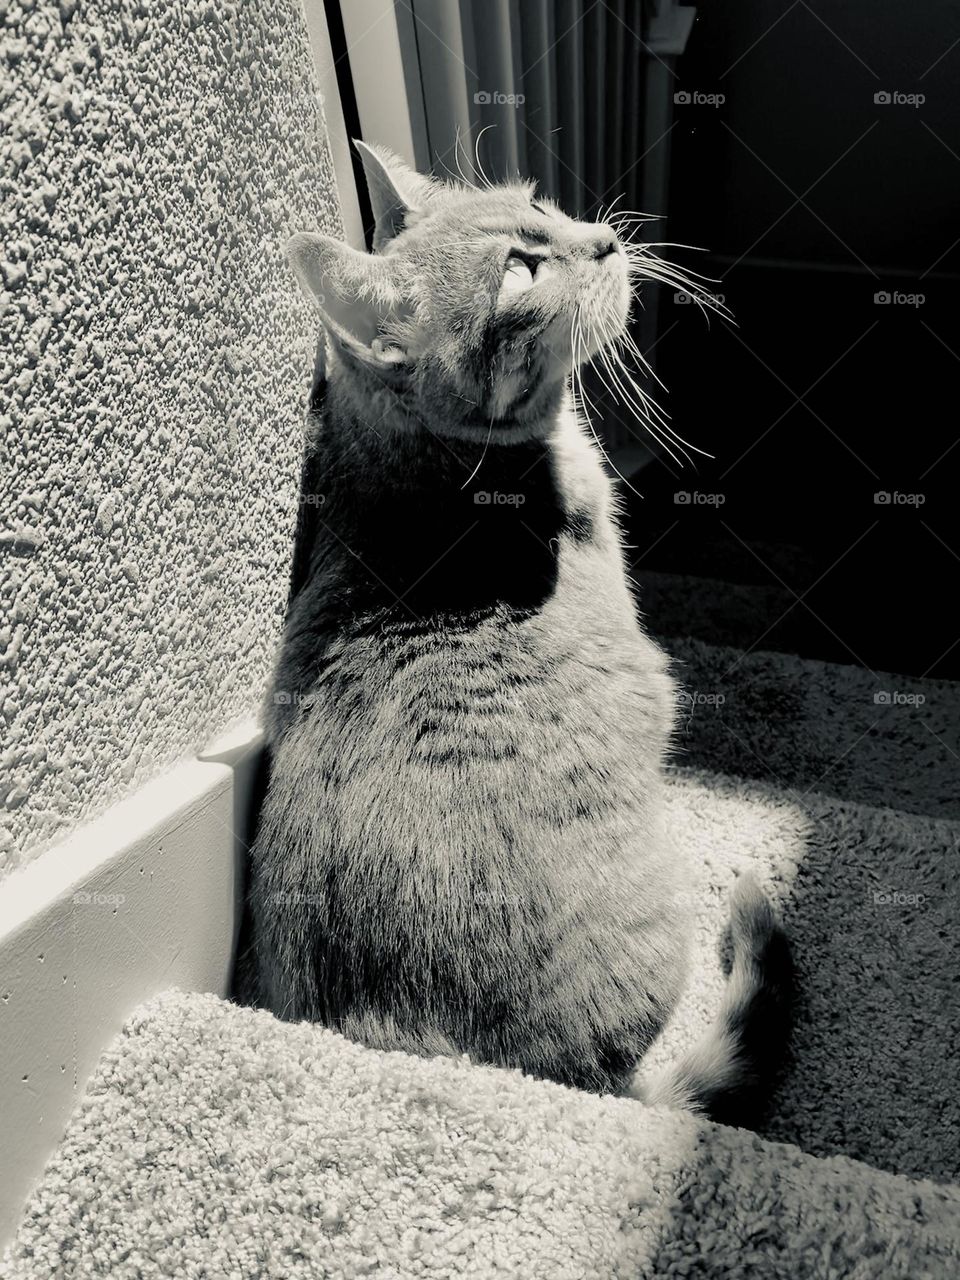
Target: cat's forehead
[{"x": 485, "y": 209}]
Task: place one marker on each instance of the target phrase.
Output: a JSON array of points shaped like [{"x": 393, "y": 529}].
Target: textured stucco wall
[{"x": 154, "y": 361}]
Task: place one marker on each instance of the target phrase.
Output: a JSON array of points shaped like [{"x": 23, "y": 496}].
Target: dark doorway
[{"x": 826, "y": 184}]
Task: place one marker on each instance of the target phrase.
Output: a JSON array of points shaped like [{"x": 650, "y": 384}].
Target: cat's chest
[{"x": 475, "y": 551}]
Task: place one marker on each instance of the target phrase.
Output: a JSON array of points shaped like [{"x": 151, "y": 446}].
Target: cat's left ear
[{"x": 356, "y": 294}]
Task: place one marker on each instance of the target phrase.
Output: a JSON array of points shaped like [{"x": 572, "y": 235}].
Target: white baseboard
[{"x": 143, "y": 899}]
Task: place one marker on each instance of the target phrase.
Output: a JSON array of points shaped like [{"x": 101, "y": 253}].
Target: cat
[{"x": 463, "y": 845}]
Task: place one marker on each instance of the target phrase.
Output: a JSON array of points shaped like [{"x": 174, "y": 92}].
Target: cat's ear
[
  {"x": 397, "y": 192},
  {"x": 355, "y": 293}
]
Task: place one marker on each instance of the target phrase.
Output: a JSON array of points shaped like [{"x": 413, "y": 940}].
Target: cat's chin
[{"x": 518, "y": 414}]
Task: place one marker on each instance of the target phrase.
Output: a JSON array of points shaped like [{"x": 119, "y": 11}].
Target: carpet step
[
  {"x": 804, "y": 725},
  {"x": 284, "y": 1145},
  {"x": 216, "y": 1141},
  {"x": 868, "y": 900}
]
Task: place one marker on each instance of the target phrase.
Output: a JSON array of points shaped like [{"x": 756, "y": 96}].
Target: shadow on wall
[{"x": 153, "y": 385}]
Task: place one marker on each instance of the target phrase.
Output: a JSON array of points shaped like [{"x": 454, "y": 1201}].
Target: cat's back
[
  {"x": 464, "y": 810},
  {"x": 524, "y": 623},
  {"x": 540, "y": 725}
]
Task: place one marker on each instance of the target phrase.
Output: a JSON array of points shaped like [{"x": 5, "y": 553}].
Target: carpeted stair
[
  {"x": 218, "y": 1142},
  {"x": 803, "y": 725}
]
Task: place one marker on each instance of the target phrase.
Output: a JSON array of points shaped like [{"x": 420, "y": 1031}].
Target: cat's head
[{"x": 475, "y": 305}]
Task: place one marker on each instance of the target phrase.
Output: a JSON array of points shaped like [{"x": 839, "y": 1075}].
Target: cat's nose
[
  {"x": 594, "y": 240},
  {"x": 605, "y": 244}
]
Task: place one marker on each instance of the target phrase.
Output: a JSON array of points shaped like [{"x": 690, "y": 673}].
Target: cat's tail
[{"x": 728, "y": 1074}]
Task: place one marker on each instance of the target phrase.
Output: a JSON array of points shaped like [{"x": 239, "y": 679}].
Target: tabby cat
[{"x": 463, "y": 846}]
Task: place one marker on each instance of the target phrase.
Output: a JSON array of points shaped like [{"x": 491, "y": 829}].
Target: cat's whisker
[
  {"x": 612, "y": 357},
  {"x": 456, "y": 154},
  {"x": 641, "y": 408},
  {"x": 663, "y": 418},
  {"x": 642, "y": 263},
  {"x": 483, "y": 454},
  {"x": 476, "y": 149},
  {"x": 621, "y": 383},
  {"x": 642, "y": 258},
  {"x": 678, "y": 281},
  {"x": 451, "y": 244},
  {"x": 462, "y": 178},
  {"x": 580, "y": 350},
  {"x": 578, "y": 343},
  {"x": 629, "y": 230},
  {"x": 639, "y": 215},
  {"x": 673, "y": 244},
  {"x": 628, "y": 343},
  {"x": 633, "y": 393},
  {"x": 623, "y": 219},
  {"x": 606, "y": 211},
  {"x": 581, "y": 346},
  {"x": 691, "y": 277}
]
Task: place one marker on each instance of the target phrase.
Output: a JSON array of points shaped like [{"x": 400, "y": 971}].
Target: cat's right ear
[{"x": 397, "y": 192}]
